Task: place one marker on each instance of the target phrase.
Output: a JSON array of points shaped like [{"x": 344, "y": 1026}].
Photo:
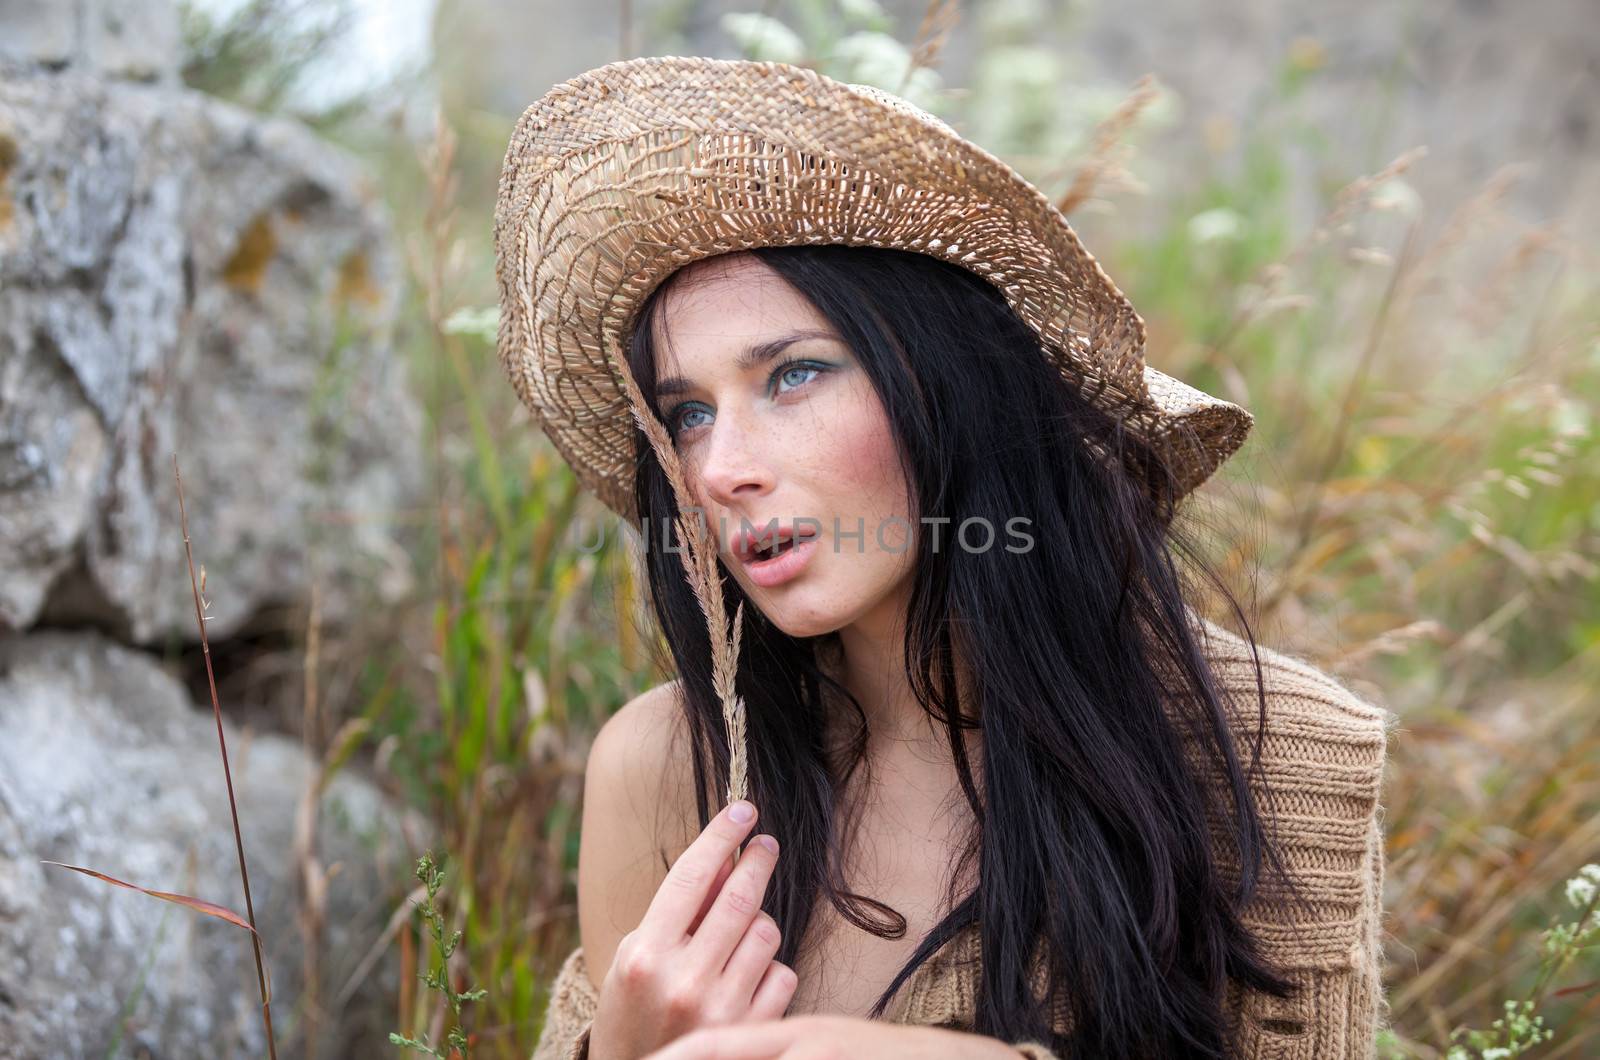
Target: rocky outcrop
[
  {"x": 105, "y": 763},
  {"x": 183, "y": 278},
  {"x": 178, "y": 276},
  {"x": 134, "y": 39}
]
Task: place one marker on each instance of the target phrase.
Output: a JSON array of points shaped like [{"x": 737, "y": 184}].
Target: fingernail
[
  {"x": 742, "y": 811},
  {"x": 768, "y": 842}
]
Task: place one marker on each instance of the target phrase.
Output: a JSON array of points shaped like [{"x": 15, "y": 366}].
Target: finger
[
  {"x": 751, "y": 959},
  {"x": 688, "y": 882},
  {"x": 711, "y": 894},
  {"x": 737, "y": 1041},
  {"x": 772, "y": 997},
  {"x": 814, "y": 1051},
  {"x": 735, "y": 907}
]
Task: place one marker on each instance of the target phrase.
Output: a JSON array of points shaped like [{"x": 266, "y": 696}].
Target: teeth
[
  {"x": 777, "y": 547},
  {"x": 768, "y": 551}
]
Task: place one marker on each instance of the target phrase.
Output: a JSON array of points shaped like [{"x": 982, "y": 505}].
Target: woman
[{"x": 908, "y": 495}]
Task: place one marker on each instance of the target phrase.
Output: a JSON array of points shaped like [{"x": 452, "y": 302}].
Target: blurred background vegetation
[{"x": 1418, "y": 509}]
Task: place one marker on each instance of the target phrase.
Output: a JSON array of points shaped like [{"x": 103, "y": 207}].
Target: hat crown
[{"x": 619, "y": 177}]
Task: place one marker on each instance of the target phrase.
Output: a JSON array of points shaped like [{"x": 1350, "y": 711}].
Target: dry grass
[
  {"x": 227, "y": 772},
  {"x": 1425, "y": 528},
  {"x": 1418, "y": 510},
  {"x": 199, "y": 905},
  {"x": 1414, "y": 513}
]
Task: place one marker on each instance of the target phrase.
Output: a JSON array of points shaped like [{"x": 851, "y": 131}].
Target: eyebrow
[{"x": 753, "y": 356}]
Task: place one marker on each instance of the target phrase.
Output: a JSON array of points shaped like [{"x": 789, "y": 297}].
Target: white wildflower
[
  {"x": 873, "y": 57},
  {"x": 1216, "y": 224},
  {"x": 1582, "y": 887},
  {"x": 863, "y": 13},
  {"x": 762, "y": 37},
  {"x": 469, "y": 321},
  {"x": 1396, "y": 195},
  {"x": 1571, "y": 419}
]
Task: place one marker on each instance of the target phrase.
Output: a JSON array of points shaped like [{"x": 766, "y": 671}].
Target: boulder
[
  {"x": 105, "y": 763},
  {"x": 181, "y": 276},
  {"x": 135, "y": 39}
]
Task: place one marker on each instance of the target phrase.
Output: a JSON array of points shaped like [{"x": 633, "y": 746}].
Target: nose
[{"x": 733, "y": 471}]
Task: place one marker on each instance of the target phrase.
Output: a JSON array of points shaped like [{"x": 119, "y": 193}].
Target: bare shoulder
[
  {"x": 636, "y": 748},
  {"x": 638, "y": 816}
]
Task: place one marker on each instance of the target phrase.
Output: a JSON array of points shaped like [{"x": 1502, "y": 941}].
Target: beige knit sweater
[{"x": 1323, "y": 761}]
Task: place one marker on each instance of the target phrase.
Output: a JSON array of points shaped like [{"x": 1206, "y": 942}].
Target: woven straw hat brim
[{"x": 622, "y": 175}]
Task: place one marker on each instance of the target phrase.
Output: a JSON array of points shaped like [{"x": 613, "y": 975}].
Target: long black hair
[{"x": 1090, "y": 823}]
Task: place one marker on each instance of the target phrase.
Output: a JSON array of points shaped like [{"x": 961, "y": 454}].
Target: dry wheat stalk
[
  {"x": 1107, "y": 138},
  {"x": 1345, "y": 202},
  {"x": 938, "y": 19},
  {"x": 700, "y": 567}
]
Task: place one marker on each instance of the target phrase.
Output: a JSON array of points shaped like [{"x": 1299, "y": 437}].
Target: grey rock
[
  {"x": 52, "y": 447},
  {"x": 105, "y": 764},
  {"x": 205, "y": 283},
  {"x": 134, "y": 39},
  {"x": 39, "y": 33}
]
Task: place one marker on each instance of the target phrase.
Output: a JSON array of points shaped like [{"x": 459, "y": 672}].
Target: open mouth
[
  {"x": 757, "y": 549},
  {"x": 778, "y": 547},
  {"x": 779, "y": 558}
]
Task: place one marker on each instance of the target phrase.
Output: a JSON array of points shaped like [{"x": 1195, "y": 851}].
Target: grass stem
[{"x": 227, "y": 774}]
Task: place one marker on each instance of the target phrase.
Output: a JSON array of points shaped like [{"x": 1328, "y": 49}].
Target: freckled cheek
[{"x": 860, "y": 474}]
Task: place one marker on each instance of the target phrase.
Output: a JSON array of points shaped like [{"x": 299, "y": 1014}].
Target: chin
[
  {"x": 801, "y": 617},
  {"x": 808, "y": 624}
]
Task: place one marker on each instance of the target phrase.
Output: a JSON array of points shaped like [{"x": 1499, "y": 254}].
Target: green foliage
[
  {"x": 1520, "y": 1028},
  {"x": 1418, "y": 507},
  {"x": 482, "y": 693},
  {"x": 259, "y": 53},
  {"x": 438, "y": 976},
  {"x": 263, "y": 53},
  {"x": 848, "y": 39}
]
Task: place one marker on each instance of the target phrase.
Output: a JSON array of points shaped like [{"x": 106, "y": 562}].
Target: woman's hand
[
  {"x": 702, "y": 954},
  {"x": 833, "y": 1038}
]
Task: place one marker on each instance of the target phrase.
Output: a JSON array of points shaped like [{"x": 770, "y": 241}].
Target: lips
[
  {"x": 786, "y": 556},
  {"x": 758, "y": 545}
]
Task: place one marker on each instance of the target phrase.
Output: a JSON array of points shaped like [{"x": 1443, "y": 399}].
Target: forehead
[{"x": 720, "y": 304}]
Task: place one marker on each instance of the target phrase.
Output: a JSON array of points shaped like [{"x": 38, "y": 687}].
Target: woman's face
[{"x": 773, "y": 418}]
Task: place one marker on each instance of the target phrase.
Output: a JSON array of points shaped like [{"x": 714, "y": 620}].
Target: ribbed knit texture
[{"x": 1322, "y": 767}]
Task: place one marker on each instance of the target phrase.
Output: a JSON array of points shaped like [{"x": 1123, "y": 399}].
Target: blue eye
[
  {"x": 794, "y": 374},
  {"x": 786, "y": 372},
  {"x": 682, "y": 413}
]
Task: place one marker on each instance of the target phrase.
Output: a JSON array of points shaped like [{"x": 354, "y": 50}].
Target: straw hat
[{"x": 623, "y": 174}]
